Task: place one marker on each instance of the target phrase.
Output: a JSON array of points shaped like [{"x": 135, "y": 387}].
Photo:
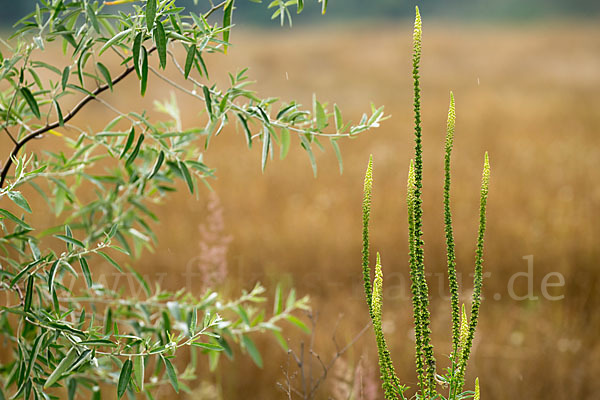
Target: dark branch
[{"x": 71, "y": 114}]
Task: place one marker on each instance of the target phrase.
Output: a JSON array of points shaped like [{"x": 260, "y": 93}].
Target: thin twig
[
  {"x": 309, "y": 391},
  {"x": 214, "y": 8}
]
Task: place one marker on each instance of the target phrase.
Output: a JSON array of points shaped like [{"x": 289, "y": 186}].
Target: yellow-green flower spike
[
  {"x": 389, "y": 380},
  {"x": 365, "y": 234},
  {"x": 410, "y": 204},
  {"x": 424, "y": 315},
  {"x": 450, "y": 247},
  {"x": 451, "y": 123},
  {"x": 476, "y": 396},
  {"x": 418, "y": 32},
  {"x": 478, "y": 278},
  {"x": 377, "y": 298},
  {"x": 464, "y": 328}
]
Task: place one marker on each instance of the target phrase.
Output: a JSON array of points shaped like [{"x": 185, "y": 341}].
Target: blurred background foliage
[
  {"x": 348, "y": 10},
  {"x": 527, "y": 92}
]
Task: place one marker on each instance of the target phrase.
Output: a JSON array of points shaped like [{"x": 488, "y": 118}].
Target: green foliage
[
  {"x": 463, "y": 330},
  {"x": 64, "y": 325}
]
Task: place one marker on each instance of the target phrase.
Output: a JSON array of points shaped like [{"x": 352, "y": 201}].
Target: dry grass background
[{"x": 528, "y": 95}]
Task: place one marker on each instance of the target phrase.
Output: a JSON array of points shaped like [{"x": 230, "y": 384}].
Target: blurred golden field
[{"x": 528, "y": 95}]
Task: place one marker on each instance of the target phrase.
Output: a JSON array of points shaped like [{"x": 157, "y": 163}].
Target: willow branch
[{"x": 37, "y": 133}]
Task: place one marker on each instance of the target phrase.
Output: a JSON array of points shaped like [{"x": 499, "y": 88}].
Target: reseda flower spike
[{"x": 463, "y": 329}]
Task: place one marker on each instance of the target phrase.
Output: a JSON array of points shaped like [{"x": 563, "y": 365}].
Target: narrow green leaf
[
  {"x": 285, "y": 110},
  {"x": 208, "y": 101},
  {"x": 150, "y": 14},
  {"x": 108, "y": 320},
  {"x": 135, "y": 151},
  {"x": 105, "y": 74},
  {"x": 242, "y": 313},
  {"x": 84, "y": 357},
  {"x": 124, "y": 378},
  {"x": 189, "y": 60},
  {"x": 80, "y": 62},
  {"x": 186, "y": 176},
  {"x": 117, "y": 38},
  {"x": 113, "y": 231},
  {"x": 337, "y": 115},
  {"x": 280, "y": 340},
  {"x": 227, "y": 13},
  {"x": 160, "y": 39},
  {"x": 338, "y": 153},
  {"x": 52, "y": 275},
  {"x": 70, "y": 240},
  {"x": 306, "y": 145},
  {"x": 55, "y": 302},
  {"x": 300, "y": 6},
  {"x": 30, "y": 99},
  {"x": 59, "y": 114},
  {"x": 128, "y": 143},
  {"x": 193, "y": 320},
  {"x": 246, "y": 130},
  {"x": 141, "y": 280},
  {"x": 13, "y": 218},
  {"x": 291, "y": 300},
  {"x": 19, "y": 200},
  {"x": 86, "y": 272},
  {"x": 138, "y": 372},
  {"x": 278, "y": 303},
  {"x": 35, "y": 350},
  {"x": 82, "y": 318},
  {"x": 171, "y": 374},
  {"x": 111, "y": 261},
  {"x": 263, "y": 115},
  {"x": 320, "y": 116},
  {"x": 157, "y": 164},
  {"x": 24, "y": 271},
  {"x": 35, "y": 250},
  {"x": 285, "y": 143},
  {"x": 92, "y": 17},
  {"x": 65, "y": 77},
  {"x": 265, "y": 149},
  {"x": 252, "y": 351},
  {"x": 61, "y": 368},
  {"x": 135, "y": 53},
  {"x": 144, "y": 79},
  {"x": 71, "y": 389},
  {"x": 29, "y": 293},
  {"x": 226, "y": 347},
  {"x": 208, "y": 346},
  {"x": 201, "y": 67},
  {"x": 324, "y": 6},
  {"x": 98, "y": 342},
  {"x": 298, "y": 323},
  {"x": 81, "y": 89}
]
